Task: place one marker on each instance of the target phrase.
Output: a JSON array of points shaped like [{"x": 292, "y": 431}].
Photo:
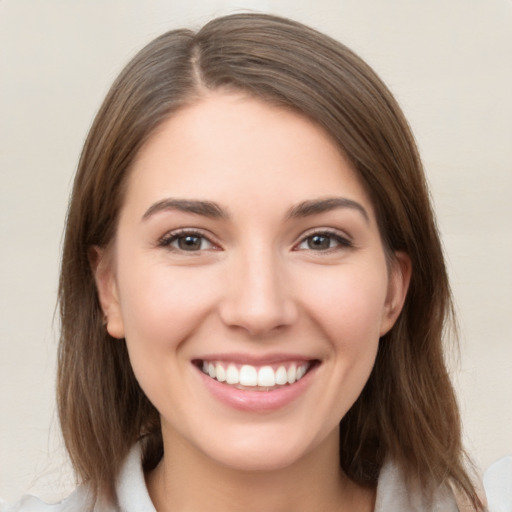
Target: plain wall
[{"x": 449, "y": 63}]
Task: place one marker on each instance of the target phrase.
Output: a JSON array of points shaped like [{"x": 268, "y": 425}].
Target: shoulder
[
  {"x": 132, "y": 494},
  {"x": 82, "y": 499},
  {"x": 498, "y": 485},
  {"x": 395, "y": 493}
]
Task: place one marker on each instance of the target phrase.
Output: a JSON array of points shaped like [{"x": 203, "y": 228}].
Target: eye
[
  {"x": 323, "y": 241},
  {"x": 187, "y": 241}
]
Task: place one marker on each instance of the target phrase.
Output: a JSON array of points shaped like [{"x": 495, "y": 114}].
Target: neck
[{"x": 187, "y": 480}]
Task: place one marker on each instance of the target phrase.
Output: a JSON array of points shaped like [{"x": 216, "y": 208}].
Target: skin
[{"x": 255, "y": 284}]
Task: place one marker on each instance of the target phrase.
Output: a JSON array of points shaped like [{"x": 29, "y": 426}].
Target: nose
[{"x": 259, "y": 297}]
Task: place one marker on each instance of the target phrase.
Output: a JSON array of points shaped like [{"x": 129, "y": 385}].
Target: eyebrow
[
  {"x": 214, "y": 211},
  {"x": 204, "y": 208},
  {"x": 317, "y": 206}
]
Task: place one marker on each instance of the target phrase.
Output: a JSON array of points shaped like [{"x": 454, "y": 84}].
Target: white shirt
[{"x": 392, "y": 493}]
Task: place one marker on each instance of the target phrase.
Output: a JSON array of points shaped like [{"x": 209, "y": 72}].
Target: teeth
[
  {"x": 220, "y": 373},
  {"x": 266, "y": 376},
  {"x": 281, "y": 376},
  {"x": 232, "y": 374},
  {"x": 250, "y": 376},
  {"x": 291, "y": 374}
]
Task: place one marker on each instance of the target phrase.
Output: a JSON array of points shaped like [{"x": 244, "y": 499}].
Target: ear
[
  {"x": 398, "y": 284},
  {"x": 102, "y": 268}
]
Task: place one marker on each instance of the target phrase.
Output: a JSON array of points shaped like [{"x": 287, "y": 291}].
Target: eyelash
[
  {"x": 332, "y": 236},
  {"x": 341, "y": 241},
  {"x": 168, "y": 239}
]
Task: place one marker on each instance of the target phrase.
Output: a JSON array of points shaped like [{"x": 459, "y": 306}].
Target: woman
[{"x": 253, "y": 292}]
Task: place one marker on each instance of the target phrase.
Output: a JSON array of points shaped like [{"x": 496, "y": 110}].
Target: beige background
[{"x": 449, "y": 62}]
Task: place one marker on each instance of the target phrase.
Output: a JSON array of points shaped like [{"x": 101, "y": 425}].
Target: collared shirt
[{"x": 393, "y": 495}]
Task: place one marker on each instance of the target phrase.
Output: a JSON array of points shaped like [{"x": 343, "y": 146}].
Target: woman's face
[{"x": 250, "y": 282}]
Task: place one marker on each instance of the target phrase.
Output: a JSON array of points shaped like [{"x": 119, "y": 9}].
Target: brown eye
[
  {"x": 323, "y": 241},
  {"x": 189, "y": 242},
  {"x": 319, "y": 242},
  {"x": 186, "y": 241}
]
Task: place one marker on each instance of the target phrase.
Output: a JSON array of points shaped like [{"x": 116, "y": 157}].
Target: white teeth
[
  {"x": 281, "y": 376},
  {"x": 220, "y": 372},
  {"x": 292, "y": 371},
  {"x": 250, "y": 376},
  {"x": 232, "y": 374},
  {"x": 266, "y": 376}
]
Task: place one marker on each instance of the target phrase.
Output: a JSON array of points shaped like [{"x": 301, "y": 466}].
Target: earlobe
[
  {"x": 104, "y": 277},
  {"x": 398, "y": 284}
]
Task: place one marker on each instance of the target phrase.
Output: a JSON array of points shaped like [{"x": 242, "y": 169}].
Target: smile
[
  {"x": 260, "y": 387},
  {"x": 255, "y": 378}
]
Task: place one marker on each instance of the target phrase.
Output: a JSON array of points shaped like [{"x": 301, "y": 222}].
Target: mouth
[{"x": 268, "y": 377}]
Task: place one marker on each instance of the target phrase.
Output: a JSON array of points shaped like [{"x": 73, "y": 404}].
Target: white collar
[
  {"x": 132, "y": 493},
  {"x": 392, "y": 491}
]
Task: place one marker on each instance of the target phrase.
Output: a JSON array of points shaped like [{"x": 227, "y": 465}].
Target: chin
[
  {"x": 266, "y": 449},
  {"x": 257, "y": 459}
]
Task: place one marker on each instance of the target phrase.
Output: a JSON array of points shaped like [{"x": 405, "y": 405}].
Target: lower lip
[{"x": 257, "y": 401}]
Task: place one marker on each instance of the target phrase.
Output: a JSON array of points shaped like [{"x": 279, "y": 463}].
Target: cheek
[
  {"x": 349, "y": 303},
  {"x": 350, "y": 315},
  {"x": 161, "y": 306}
]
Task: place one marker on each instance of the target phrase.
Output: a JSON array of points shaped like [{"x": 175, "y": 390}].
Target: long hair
[{"x": 407, "y": 410}]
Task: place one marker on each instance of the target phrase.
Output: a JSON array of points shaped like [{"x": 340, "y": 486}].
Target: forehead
[{"x": 229, "y": 145}]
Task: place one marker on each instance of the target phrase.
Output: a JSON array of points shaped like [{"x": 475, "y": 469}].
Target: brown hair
[{"x": 407, "y": 410}]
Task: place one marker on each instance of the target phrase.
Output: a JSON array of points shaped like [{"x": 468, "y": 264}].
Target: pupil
[
  {"x": 319, "y": 242},
  {"x": 190, "y": 243}
]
